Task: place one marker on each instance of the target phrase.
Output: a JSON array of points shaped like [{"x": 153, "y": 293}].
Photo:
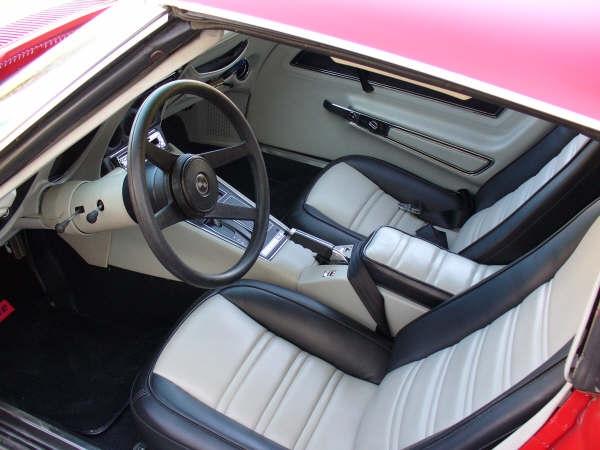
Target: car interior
[{"x": 278, "y": 248}]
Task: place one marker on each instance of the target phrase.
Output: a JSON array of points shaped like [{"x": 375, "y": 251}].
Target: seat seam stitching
[
  {"x": 475, "y": 369},
  {"x": 405, "y": 400},
  {"x": 286, "y": 391},
  {"x": 248, "y": 353},
  {"x": 394, "y": 409},
  {"x": 433, "y": 412},
  {"x": 363, "y": 208},
  {"x": 298, "y": 354},
  {"x": 252, "y": 365},
  {"x": 314, "y": 407},
  {"x": 340, "y": 378}
]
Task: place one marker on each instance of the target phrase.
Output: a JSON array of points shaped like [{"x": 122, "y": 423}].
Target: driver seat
[{"x": 256, "y": 366}]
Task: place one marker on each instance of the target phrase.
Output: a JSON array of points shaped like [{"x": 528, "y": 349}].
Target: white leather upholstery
[
  {"x": 487, "y": 219},
  {"x": 426, "y": 396},
  {"x": 231, "y": 363},
  {"x": 424, "y": 261},
  {"x": 225, "y": 359},
  {"x": 350, "y": 199}
]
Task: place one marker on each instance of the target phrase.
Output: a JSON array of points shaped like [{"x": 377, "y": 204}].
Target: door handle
[{"x": 362, "y": 120}]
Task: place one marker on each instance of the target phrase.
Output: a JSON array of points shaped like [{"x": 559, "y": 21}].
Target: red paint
[
  {"x": 22, "y": 41},
  {"x": 548, "y": 50},
  {"x": 6, "y": 309},
  {"x": 575, "y": 425}
]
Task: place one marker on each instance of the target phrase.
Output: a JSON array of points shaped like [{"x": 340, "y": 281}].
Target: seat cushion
[
  {"x": 353, "y": 201},
  {"x": 256, "y": 366},
  {"x": 229, "y": 373},
  {"x": 356, "y": 195}
]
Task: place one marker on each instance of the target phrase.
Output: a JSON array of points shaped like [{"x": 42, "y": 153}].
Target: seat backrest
[
  {"x": 456, "y": 377},
  {"x": 513, "y": 220}
]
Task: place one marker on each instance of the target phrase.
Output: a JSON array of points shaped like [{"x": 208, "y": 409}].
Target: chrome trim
[
  {"x": 277, "y": 241},
  {"x": 424, "y": 136},
  {"x": 27, "y": 420},
  {"x": 210, "y": 17}
]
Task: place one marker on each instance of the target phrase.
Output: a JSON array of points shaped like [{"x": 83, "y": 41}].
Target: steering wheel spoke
[
  {"x": 226, "y": 155},
  {"x": 225, "y": 211},
  {"x": 162, "y": 158},
  {"x": 189, "y": 186},
  {"x": 168, "y": 215}
]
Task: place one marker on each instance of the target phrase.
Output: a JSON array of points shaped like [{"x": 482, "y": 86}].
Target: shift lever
[{"x": 325, "y": 250}]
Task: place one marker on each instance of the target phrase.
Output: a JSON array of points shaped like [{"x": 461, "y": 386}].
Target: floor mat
[
  {"x": 79, "y": 334},
  {"x": 122, "y": 435},
  {"x": 69, "y": 369}
]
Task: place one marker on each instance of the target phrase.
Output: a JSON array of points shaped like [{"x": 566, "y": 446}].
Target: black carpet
[
  {"x": 70, "y": 369},
  {"x": 79, "y": 335},
  {"x": 122, "y": 434}
]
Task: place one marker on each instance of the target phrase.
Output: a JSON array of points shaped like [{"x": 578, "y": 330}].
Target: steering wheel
[{"x": 190, "y": 189}]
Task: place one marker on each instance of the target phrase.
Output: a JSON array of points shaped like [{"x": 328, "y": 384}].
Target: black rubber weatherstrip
[{"x": 92, "y": 94}]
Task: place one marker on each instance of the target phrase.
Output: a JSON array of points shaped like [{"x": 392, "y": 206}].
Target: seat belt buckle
[{"x": 410, "y": 208}]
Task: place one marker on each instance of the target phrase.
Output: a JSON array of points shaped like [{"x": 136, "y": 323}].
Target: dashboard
[{"x": 237, "y": 232}]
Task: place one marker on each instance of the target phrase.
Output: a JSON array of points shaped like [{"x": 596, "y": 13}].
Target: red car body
[{"x": 547, "y": 52}]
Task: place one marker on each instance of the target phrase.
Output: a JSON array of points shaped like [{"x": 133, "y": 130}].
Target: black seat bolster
[
  {"x": 439, "y": 206},
  {"x": 164, "y": 411},
  {"x": 492, "y": 297},
  {"x": 567, "y": 193},
  {"x": 524, "y": 167},
  {"x": 315, "y": 328}
]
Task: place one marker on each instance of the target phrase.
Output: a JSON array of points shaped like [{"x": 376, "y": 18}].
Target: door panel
[
  {"x": 232, "y": 65},
  {"x": 450, "y": 145}
]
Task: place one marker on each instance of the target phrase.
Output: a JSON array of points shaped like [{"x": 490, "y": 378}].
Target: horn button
[{"x": 195, "y": 185}]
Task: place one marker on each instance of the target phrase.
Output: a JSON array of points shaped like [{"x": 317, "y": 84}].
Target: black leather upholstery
[
  {"x": 574, "y": 187},
  {"x": 485, "y": 427},
  {"x": 314, "y": 327},
  {"x": 489, "y": 299},
  {"x": 439, "y": 206},
  {"x": 524, "y": 167},
  {"x": 547, "y": 210},
  {"x": 171, "y": 418},
  {"x": 307, "y": 218}
]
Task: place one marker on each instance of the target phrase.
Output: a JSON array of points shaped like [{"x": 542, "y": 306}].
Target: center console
[
  {"x": 289, "y": 258},
  {"x": 239, "y": 232}
]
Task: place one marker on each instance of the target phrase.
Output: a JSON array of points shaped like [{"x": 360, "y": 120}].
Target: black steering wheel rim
[{"x": 186, "y": 204}]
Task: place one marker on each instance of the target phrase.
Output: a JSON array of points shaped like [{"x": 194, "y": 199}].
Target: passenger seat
[{"x": 511, "y": 213}]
